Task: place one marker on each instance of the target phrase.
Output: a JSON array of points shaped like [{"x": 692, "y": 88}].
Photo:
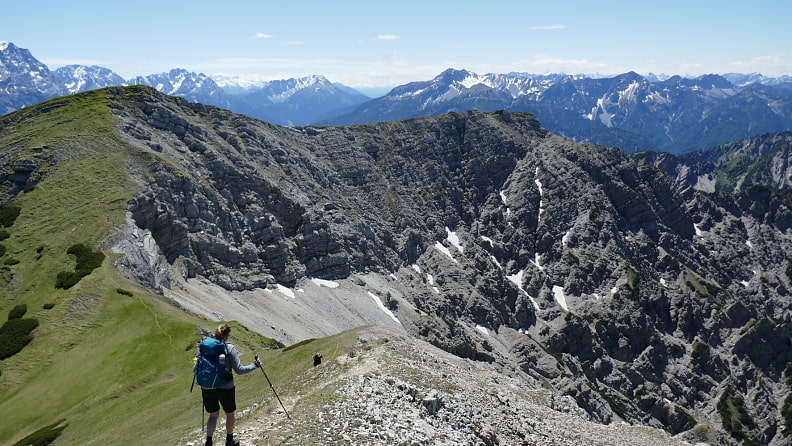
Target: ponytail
[{"x": 222, "y": 331}]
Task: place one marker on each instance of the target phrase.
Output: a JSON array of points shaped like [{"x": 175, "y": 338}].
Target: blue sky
[{"x": 367, "y": 44}]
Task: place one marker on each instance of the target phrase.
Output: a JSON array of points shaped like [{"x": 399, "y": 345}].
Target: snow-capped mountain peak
[
  {"x": 451, "y": 84},
  {"x": 78, "y": 78},
  {"x": 24, "y": 78}
]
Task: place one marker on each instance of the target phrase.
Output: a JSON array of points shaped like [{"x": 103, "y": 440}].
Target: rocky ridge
[
  {"x": 393, "y": 390},
  {"x": 592, "y": 273},
  {"x": 486, "y": 236}
]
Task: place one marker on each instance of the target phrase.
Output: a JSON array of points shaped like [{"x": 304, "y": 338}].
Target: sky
[{"x": 378, "y": 44}]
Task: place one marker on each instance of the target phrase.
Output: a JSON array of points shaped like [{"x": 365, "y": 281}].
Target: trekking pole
[
  {"x": 203, "y": 410},
  {"x": 273, "y": 389}
]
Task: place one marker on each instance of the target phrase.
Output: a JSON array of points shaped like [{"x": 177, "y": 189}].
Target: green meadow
[{"x": 109, "y": 360}]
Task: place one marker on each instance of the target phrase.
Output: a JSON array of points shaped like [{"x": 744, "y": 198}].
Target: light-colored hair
[{"x": 222, "y": 331}]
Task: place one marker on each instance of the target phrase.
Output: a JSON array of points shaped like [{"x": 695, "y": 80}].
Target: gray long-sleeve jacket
[{"x": 233, "y": 363}]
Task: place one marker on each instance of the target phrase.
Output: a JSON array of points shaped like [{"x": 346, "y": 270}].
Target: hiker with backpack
[{"x": 216, "y": 360}]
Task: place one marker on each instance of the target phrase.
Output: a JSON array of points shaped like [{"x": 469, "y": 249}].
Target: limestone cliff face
[{"x": 640, "y": 299}]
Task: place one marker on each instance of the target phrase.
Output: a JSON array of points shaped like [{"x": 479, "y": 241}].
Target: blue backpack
[{"x": 210, "y": 371}]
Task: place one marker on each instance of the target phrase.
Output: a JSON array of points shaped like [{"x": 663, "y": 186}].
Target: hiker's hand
[{"x": 257, "y": 362}]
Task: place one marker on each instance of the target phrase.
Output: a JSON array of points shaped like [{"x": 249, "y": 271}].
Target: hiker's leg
[
  {"x": 230, "y": 418},
  {"x": 212, "y": 406},
  {"x": 211, "y": 424},
  {"x": 228, "y": 400},
  {"x": 230, "y": 441}
]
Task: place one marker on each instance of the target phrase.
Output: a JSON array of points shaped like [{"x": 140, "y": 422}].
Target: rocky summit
[{"x": 588, "y": 284}]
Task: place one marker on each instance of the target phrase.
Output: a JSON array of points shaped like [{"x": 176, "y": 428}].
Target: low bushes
[
  {"x": 87, "y": 261},
  {"x": 8, "y": 215},
  {"x": 44, "y": 436},
  {"x": 15, "y": 334},
  {"x": 17, "y": 312}
]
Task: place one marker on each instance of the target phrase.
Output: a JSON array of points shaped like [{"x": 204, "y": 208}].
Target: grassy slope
[{"x": 116, "y": 367}]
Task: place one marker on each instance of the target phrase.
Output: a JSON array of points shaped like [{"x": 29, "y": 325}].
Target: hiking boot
[
  {"x": 231, "y": 441},
  {"x": 208, "y": 441}
]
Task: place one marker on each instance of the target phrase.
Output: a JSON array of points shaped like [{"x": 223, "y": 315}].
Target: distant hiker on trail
[
  {"x": 223, "y": 392},
  {"x": 317, "y": 359}
]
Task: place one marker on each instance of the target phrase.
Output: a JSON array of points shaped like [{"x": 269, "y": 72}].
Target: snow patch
[
  {"x": 491, "y": 256},
  {"x": 605, "y": 117},
  {"x": 705, "y": 183},
  {"x": 517, "y": 280},
  {"x": 416, "y": 268},
  {"x": 541, "y": 195},
  {"x": 750, "y": 245},
  {"x": 558, "y": 293},
  {"x": 453, "y": 238},
  {"x": 430, "y": 279},
  {"x": 565, "y": 238},
  {"x": 536, "y": 261},
  {"x": 474, "y": 79},
  {"x": 439, "y": 246},
  {"x": 288, "y": 292},
  {"x": 383, "y": 307},
  {"x": 324, "y": 283},
  {"x": 482, "y": 329},
  {"x": 495, "y": 261},
  {"x": 629, "y": 94},
  {"x": 503, "y": 200},
  {"x": 657, "y": 98},
  {"x": 699, "y": 232}
]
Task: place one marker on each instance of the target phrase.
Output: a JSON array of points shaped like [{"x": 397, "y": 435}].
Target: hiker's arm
[{"x": 236, "y": 364}]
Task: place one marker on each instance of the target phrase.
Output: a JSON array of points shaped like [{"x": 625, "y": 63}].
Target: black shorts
[{"x": 213, "y": 398}]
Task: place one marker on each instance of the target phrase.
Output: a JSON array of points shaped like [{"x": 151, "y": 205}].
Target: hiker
[
  {"x": 317, "y": 359},
  {"x": 225, "y": 393}
]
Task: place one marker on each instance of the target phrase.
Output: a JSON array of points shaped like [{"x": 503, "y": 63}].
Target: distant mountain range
[
  {"x": 25, "y": 81},
  {"x": 628, "y": 111},
  {"x": 635, "y": 113}
]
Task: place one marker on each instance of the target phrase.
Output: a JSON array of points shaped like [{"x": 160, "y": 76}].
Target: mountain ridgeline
[
  {"x": 633, "y": 112},
  {"x": 612, "y": 282},
  {"x": 628, "y": 111},
  {"x": 25, "y": 81}
]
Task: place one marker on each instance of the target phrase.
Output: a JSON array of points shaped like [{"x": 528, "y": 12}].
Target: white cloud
[
  {"x": 770, "y": 65},
  {"x": 548, "y": 27},
  {"x": 387, "y": 37},
  {"x": 294, "y": 43},
  {"x": 262, "y": 36},
  {"x": 544, "y": 63},
  {"x": 384, "y": 72}
]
